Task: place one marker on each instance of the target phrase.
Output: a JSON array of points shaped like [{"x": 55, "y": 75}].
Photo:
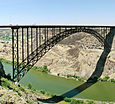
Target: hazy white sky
[{"x": 78, "y": 12}]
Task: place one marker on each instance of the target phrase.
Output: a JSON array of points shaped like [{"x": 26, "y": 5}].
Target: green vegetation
[
  {"x": 77, "y": 78},
  {"x": 30, "y": 102},
  {"x": 74, "y": 101},
  {"x": 5, "y": 61},
  {"x": 8, "y": 84},
  {"x": 90, "y": 102},
  {"x": 29, "y": 86},
  {"x": 22, "y": 89},
  {"x": 17, "y": 92},
  {"x": 7, "y": 36},
  {"x": 5, "y": 84},
  {"x": 67, "y": 99},
  {"x": 112, "y": 80},
  {"x": 43, "y": 69},
  {"x": 106, "y": 78},
  {"x": 46, "y": 93}
]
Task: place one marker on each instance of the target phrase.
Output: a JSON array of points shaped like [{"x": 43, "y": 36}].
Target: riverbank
[
  {"x": 46, "y": 70},
  {"x": 18, "y": 94},
  {"x": 10, "y": 93},
  {"x": 59, "y": 85}
]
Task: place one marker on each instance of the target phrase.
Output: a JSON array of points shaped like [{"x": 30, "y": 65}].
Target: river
[{"x": 101, "y": 91}]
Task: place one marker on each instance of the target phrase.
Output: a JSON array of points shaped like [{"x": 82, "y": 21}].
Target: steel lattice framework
[{"x": 30, "y": 43}]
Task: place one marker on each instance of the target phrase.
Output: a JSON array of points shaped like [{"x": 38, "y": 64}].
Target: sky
[{"x": 57, "y": 12}]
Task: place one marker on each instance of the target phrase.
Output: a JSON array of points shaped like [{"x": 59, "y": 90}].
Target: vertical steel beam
[
  {"x": 65, "y": 31},
  {"x": 37, "y": 43},
  {"x": 22, "y": 45},
  {"x": 17, "y": 57},
  {"x": 13, "y": 53},
  {"x": 27, "y": 46},
  {"x": 52, "y": 32},
  {"x": 45, "y": 33},
  {"x": 39, "y": 36},
  {"x": 59, "y": 31},
  {"x": 31, "y": 40}
]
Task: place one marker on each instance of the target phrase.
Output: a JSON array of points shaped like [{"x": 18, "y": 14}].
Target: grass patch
[
  {"x": 22, "y": 89},
  {"x": 30, "y": 102},
  {"x": 5, "y": 84},
  {"x": 112, "y": 80},
  {"x": 47, "y": 93},
  {"x": 5, "y": 61},
  {"x": 77, "y": 77},
  {"x": 43, "y": 69},
  {"x": 29, "y": 86},
  {"x": 17, "y": 92},
  {"x": 74, "y": 101}
]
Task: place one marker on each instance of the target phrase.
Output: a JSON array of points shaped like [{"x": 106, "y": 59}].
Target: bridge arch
[
  {"x": 48, "y": 44},
  {"x": 62, "y": 35}
]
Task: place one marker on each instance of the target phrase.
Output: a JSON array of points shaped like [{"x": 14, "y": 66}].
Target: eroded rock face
[
  {"x": 2, "y": 72},
  {"x": 77, "y": 55}
]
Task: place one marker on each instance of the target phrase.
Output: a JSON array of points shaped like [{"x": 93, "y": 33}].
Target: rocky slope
[
  {"x": 10, "y": 93},
  {"x": 78, "y": 55}
]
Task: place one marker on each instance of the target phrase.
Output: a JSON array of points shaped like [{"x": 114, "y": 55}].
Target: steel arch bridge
[{"x": 30, "y": 43}]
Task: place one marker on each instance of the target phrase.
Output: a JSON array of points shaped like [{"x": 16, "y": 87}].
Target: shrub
[
  {"x": 67, "y": 99},
  {"x": 45, "y": 69},
  {"x": 100, "y": 79},
  {"x": 106, "y": 78},
  {"x": 73, "y": 101},
  {"x": 29, "y": 86},
  {"x": 112, "y": 80},
  {"x": 42, "y": 91},
  {"x": 90, "y": 102},
  {"x": 17, "y": 92},
  {"x": 29, "y": 102},
  {"x": 35, "y": 67},
  {"x": 48, "y": 93},
  {"x": 68, "y": 76},
  {"x": 5, "y": 84},
  {"x": 81, "y": 79},
  {"x": 33, "y": 89},
  {"x": 22, "y": 89},
  {"x": 75, "y": 77}
]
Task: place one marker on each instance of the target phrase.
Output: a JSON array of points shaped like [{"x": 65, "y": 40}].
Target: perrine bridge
[{"x": 30, "y": 43}]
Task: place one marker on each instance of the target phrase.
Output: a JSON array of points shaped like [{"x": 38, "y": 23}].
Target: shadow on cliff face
[
  {"x": 93, "y": 78},
  {"x": 101, "y": 62}
]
